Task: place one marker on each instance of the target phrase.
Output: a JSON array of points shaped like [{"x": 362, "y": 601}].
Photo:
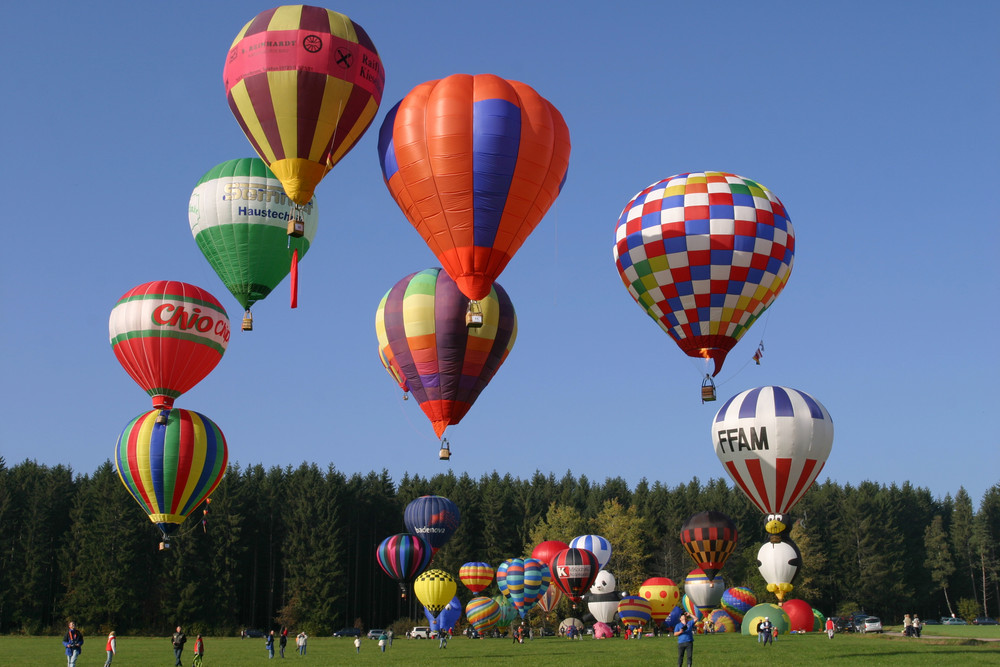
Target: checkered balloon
[{"x": 705, "y": 254}]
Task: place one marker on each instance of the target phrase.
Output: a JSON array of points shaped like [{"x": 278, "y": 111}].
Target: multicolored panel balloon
[
  {"x": 304, "y": 83},
  {"x": 435, "y": 589},
  {"x": 515, "y": 584},
  {"x": 773, "y": 442},
  {"x": 722, "y": 621},
  {"x": 737, "y": 601},
  {"x": 550, "y": 598},
  {"x": 168, "y": 336},
  {"x": 502, "y": 577},
  {"x": 662, "y": 595},
  {"x": 403, "y": 556},
  {"x": 474, "y": 162},
  {"x": 536, "y": 581},
  {"x": 688, "y": 605},
  {"x": 483, "y": 613},
  {"x": 476, "y": 576},
  {"x": 507, "y": 611},
  {"x": 704, "y": 254},
  {"x": 595, "y": 544},
  {"x": 239, "y": 216},
  {"x": 703, "y": 591},
  {"x": 634, "y": 610},
  {"x": 709, "y": 537},
  {"x": 434, "y": 518},
  {"x": 170, "y": 468},
  {"x": 574, "y": 571},
  {"x": 445, "y": 363}
]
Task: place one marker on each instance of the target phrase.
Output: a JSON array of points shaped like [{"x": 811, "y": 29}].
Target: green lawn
[{"x": 720, "y": 649}]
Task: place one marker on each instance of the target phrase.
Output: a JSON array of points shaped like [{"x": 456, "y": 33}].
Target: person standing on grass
[
  {"x": 73, "y": 641},
  {"x": 178, "y": 641},
  {"x": 684, "y": 631},
  {"x": 269, "y": 644},
  {"x": 357, "y": 644},
  {"x": 831, "y": 629},
  {"x": 111, "y": 647},
  {"x": 283, "y": 641},
  {"x": 199, "y": 651},
  {"x": 300, "y": 642}
]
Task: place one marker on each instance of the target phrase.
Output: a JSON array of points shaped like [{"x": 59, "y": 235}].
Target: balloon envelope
[
  {"x": 604, "y": 582},
  {"x": 239, "y": 215},
  {"x": 773, "y": 442},
  {"x": 634, "y": 610},
  {"x": 483, "y": 613},
  {"x": 596, "y": 544},
  {"x": 800, "y": 615},
  {"x": 435, "y": 589},
  {"x": 737, "y": 601},
  {"x": 704, "y": 592},
  {"x": 171, "y": 468},
  {"x": 435, "y": 518},
  {"x": 168, "y": 336},
  {"x": 722, "y": 621},
  {"x": 704, "y": 254},
  {"x": 603, "y": 606},
  {"x": 474, "y": 162},
  {"x": 304, "y": 84},
  {"x": 550, "y": 598},
  {"x": 662, "y": 595},
  {"x": 476, "y": 576},
  {"x": 772, "y": 611},
  {"x": 574, "y": 571},
  {"x": 778, "y": 563},
  {"x": 403, "y": 556},
  {"x": 602, "y": 631},
  {"x": 421, "y": 327},
  {"x": 709, "y": 538},
  {"x": 544, "y": 551}
]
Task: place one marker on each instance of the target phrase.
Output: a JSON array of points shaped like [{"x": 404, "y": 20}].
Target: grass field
[{"x": 956, "y": 648}]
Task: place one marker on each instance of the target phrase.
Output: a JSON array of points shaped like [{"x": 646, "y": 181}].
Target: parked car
[
  {"x": 421, "y": 632},
  {"x": 845, "y": 624},
  {"x": 872, "y": 624},
  {"x": 931, "y": 621},
  {"x": 374, "y": 633},
  {"x": 984, "y": 620},
  {"x": 254, "y": 632},
  {"x": 947, "y": 620},
  {"x": 347, "y": 632}
]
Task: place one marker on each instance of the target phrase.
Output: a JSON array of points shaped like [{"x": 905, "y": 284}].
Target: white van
[{"x": 421, "y": 632}]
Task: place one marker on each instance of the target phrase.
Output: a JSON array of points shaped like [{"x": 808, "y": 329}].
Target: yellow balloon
[{"x": 435, "y": 589}]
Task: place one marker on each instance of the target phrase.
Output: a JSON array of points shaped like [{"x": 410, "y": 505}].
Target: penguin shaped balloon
[{"x": 779, "y": 559}]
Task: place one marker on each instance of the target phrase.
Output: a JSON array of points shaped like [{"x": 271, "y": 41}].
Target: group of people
[
  {"x": 178, "y": 640},
  {"x": 766, "y": 632},
  {"x": 911, "y": 626}
]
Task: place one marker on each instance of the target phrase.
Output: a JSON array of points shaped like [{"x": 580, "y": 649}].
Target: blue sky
[{"x": 875, "y": 123}]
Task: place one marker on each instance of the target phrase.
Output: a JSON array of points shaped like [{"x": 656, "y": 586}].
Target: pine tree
[{"x": 939, "y": 560}]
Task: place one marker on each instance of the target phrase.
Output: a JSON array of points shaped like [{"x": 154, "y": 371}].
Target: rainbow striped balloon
[
  {"x": 737, "y": 601},
  {"x": 476, "y": 576},
  {"x": 403, "y": 556},
  {"x": 536, "y": 581},
  {"x": 688, "y": 605},
  {"x": 722, "y": 621},
  {"x": 171, "y": 468},
  {"x": 483, "y": 613}
]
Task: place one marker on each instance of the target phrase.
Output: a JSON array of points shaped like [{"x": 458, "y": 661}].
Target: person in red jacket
[
  {"x": 199, "y": 651},
  {"x": 830, "y": 627},
  {"x": 111, "y": 647}
]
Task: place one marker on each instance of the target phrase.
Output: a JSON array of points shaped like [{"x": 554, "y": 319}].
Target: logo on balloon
[
  {"x": 737, "y": 435},
  {"x": 171, "y": 315},
  {"x": 312, "y": 43}
]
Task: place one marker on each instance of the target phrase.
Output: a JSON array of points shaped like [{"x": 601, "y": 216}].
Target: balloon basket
[
  {"x": 445, "y": 453},
  {"x": 474, "y": 315},
  {"x": 247, "y": 321},
  {"x": 296, "y": 228},
  {"x": 707, "y": 389},
  {"x": 164, "y": 545},
  {"x": 163, "y": 418}
]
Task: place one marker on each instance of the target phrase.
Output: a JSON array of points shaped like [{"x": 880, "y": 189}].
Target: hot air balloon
[
  {"x": 662, "y": 595},
  {"x": 435, "y": 518},
  {"x": 483, "y": 613},
  {"x": 476, "y": 576},
  {"x": 550, "y": 598},
  {"x": 304, "y": 83},
  {"x": 445, "y": 620},
  {"x": 800, "y": 615},
  {"x": 688, "y": 605},
  {"x": 239, "y": 217},
  {"x": 779, "y": 563},
  {"x": 574, "y": 571},
  {"x": 502, "y": 577},
  {"x": 773, "y": 612},
  {"x": 605, "y": 582},
  {"x": 709, "y": 537},
  {"x": 446, "y": 365},
  {"x": 721, "y": 621},
  {"x": 536, "y": 581},
  {"x": 474, "y": 162},
  {"x": 595, "y": 544},
  {"x": 544, "y": 551},
  {"x": 435, "y": 589},
  {"x": 507, "y": 611},
  {"x": 773, "y": 442},
  {"x": 603, "y": 606},
  {"x": 704, "y": 592},
  {"x": 170, "y": 461},
  {"x": 514, "y": 580},
  {"x": 634, "y": 610},
  {"x": 403, "y": 557},
  {"x": 704, "y": 254},
  {"x": 168, "y": 336},
  {"x": 737, "y": 601}
]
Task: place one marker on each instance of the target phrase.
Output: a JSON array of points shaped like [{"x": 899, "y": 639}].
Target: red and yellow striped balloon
[
  {"x": 476, "y": 576},
  {"x": 171, "y": 468},
  {"x": 304, "y": 83}
]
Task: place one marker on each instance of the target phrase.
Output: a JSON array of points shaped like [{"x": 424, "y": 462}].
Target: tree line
[{"x": 296, "y": 546}]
